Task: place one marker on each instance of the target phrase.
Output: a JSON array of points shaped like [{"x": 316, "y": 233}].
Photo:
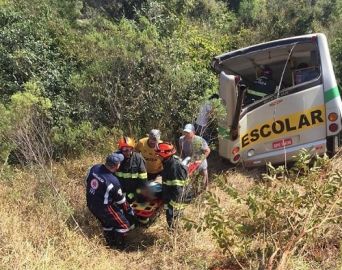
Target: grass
[{"x": 45, "y": 224}]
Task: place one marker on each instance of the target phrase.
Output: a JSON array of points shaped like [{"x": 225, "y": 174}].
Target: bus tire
[{"x": 333, "y": 143}]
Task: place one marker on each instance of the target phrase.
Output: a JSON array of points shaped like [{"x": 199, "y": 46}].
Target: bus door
[{"x": 228, "y": 94}]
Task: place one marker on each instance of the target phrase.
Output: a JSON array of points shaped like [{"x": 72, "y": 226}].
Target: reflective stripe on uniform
[
  {"x": 176, "y": 205},
  {"x": 256, "y": 93},
  {"x": 132, "y": 175},
  {"x": 117, "y": 218},
  {"x": 109, "y": 188},
  {"x": 175, "y": 182},
  {"x": 121, "y": 201},
  {"x": 122, "y": 230},
  {"x": 143, "y": 175}
]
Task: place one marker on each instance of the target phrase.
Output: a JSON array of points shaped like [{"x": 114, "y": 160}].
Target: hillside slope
[{"x": 45, "y": 225}]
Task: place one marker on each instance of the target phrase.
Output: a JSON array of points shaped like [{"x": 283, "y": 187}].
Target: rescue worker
[
  {"x": 262, "y": 86},
  {"x": 146, "y": 146},
  {"x": 107, "y": 203},
  {"x": 132, "y": 172},
  {"x": 195, "y": 147},
  {"x": 174, "y": 178}
]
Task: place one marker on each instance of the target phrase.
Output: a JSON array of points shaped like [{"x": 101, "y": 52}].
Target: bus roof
[{"x": 218, "y": 60}]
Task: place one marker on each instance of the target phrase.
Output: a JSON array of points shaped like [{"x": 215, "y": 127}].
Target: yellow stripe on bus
[{"x": 286, "y": 124}]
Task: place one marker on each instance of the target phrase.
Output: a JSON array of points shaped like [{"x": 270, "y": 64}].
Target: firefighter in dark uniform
[
  {"x": 262, "y": 86},
  {"x": 107, "y": 203},
  {"x": 174, "y": 177},
  {"x": 132, "y": 172}
]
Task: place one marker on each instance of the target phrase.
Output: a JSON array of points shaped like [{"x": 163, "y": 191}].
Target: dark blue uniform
[
  {"x": 132, "y": 175},
  {"x": 174, "y": 177},
  {"x": 107, "y": 202},
  {"x": 263, "y": 86}
]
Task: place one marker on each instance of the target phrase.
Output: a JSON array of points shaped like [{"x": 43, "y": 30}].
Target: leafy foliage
[
  {"x": 276, "y": 218},
  {"x": 135, "y": 65}
]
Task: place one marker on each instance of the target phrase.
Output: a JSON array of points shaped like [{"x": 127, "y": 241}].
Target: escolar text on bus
[{"x": 286, "y": 124}]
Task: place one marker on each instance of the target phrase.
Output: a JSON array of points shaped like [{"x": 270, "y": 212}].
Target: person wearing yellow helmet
[{"x": 132, "y": 172}]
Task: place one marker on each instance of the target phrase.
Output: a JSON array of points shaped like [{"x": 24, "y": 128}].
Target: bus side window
[{"x": 304, "y": 73}]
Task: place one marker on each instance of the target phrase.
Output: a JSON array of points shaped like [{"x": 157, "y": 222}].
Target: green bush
[
  {"x": 73, "y": 139},
  {"x": 285, "y": 215}
]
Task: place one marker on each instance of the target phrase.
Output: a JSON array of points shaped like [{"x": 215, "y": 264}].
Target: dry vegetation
[
  {"x": 45, "y": 225},
  {"x": 37, "y": 229}
]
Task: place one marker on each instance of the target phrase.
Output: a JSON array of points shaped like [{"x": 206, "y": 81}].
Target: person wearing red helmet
[
  {"x": 132, "y": 172},
  {"x": 174, "y": 177},
  {"x": 262, "y": 86}
]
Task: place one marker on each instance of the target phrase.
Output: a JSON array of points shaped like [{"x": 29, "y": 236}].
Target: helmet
[
  {"x": 165, "y": 150},
  {"x": 154, "y": 135},
  {"x": 266, "y": 71},
  {"x": 126, "y": 142}
]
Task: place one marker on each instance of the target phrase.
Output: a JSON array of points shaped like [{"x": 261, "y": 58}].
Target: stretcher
[{"x": 147, "y": 211}]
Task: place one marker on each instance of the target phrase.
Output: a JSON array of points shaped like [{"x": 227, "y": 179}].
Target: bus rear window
[
  {"x": 278, "y": 67},
  {"x": 303, "y": 75}
]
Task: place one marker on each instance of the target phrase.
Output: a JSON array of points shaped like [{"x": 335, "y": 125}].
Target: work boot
[
  {"x": 120, "y": 241},
  {"x": 109, "y": 237}
]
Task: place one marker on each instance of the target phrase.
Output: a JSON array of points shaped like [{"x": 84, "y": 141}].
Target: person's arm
[
  {"x": 205, "y": 148},
  {"x": 206, "y": 152},
  {"x": 183, "y": 173},
  {"x": 142, "y": 168},
  {"x": 180, "y": 147},
  {"x": 138, "y": 146},
  {"x": 119, "y": 198}
]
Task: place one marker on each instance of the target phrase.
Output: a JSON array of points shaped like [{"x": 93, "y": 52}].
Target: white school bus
[{"x": 302, "y": 111}]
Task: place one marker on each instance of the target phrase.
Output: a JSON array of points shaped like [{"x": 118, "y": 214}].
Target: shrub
[
  {"x": 73, "y": 139},
  {"x": 286, "y": 214}
]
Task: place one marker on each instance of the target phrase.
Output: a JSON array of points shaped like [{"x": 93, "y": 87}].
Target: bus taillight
[
  {"x": 332, "y": 117},
  {"x": 236, "y": 158},
  {"x": 333, "y": 127},
  {"x": 235, "y": 150}
]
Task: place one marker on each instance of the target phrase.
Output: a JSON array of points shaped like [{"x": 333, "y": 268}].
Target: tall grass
[{"x": 47, "y": 226}]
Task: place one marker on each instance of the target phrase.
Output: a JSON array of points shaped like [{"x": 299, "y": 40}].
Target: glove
[
  {"x": 186, "y": 161},
  {"x": 131, "y": 212}
]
